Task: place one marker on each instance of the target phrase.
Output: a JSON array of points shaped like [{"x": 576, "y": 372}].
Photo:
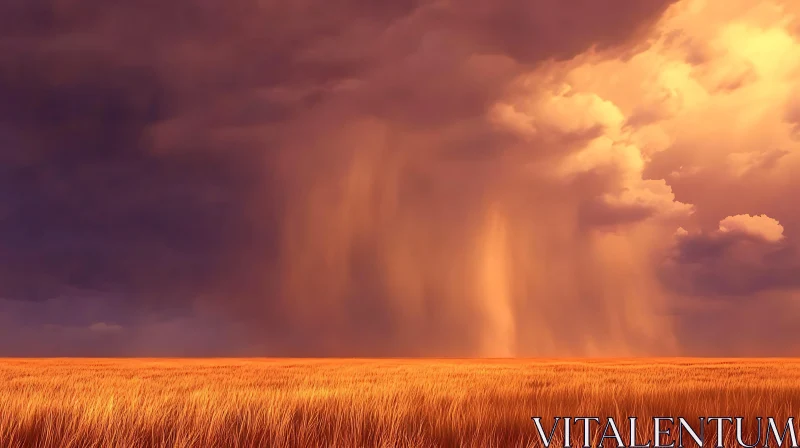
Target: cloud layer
[{"x": 427, "y": 178}]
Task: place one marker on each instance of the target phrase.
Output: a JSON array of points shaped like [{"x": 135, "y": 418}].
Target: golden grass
[{"x": 365, "y": 403}]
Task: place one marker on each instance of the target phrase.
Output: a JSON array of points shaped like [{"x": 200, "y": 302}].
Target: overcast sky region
[{"x": 528, "y": 178}]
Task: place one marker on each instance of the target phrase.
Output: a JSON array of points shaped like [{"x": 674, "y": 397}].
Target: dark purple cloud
[
  {"x": 143, "y": 148},
  {"x": 732, "y": 263}
]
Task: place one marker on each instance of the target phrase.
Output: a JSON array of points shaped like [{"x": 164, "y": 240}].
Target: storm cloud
[{"x": 421, "y": 178}]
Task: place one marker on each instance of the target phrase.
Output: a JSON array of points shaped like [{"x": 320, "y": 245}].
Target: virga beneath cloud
[{"x": 431, "y": 178}]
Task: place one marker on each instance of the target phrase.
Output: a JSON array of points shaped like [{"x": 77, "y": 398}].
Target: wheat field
[{"x": 364, "y": 403}]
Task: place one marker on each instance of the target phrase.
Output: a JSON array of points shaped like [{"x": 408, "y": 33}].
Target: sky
[{"x": 515, "y": 178}]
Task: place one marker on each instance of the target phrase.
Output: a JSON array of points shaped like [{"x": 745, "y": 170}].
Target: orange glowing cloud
[
  {"x": 548, "y": 235},
  {"x": 506, "y": 178}
]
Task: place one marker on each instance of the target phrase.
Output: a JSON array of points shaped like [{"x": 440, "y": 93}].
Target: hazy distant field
[{"x": 357, "y": 403}]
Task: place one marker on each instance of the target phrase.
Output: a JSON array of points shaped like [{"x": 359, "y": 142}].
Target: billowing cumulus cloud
[
  {"x": 421, "y": 178},
  {"x": 762, "y": 227}
]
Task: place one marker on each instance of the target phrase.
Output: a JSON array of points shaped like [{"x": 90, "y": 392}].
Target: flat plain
[{"x": 370, "y": 402}]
